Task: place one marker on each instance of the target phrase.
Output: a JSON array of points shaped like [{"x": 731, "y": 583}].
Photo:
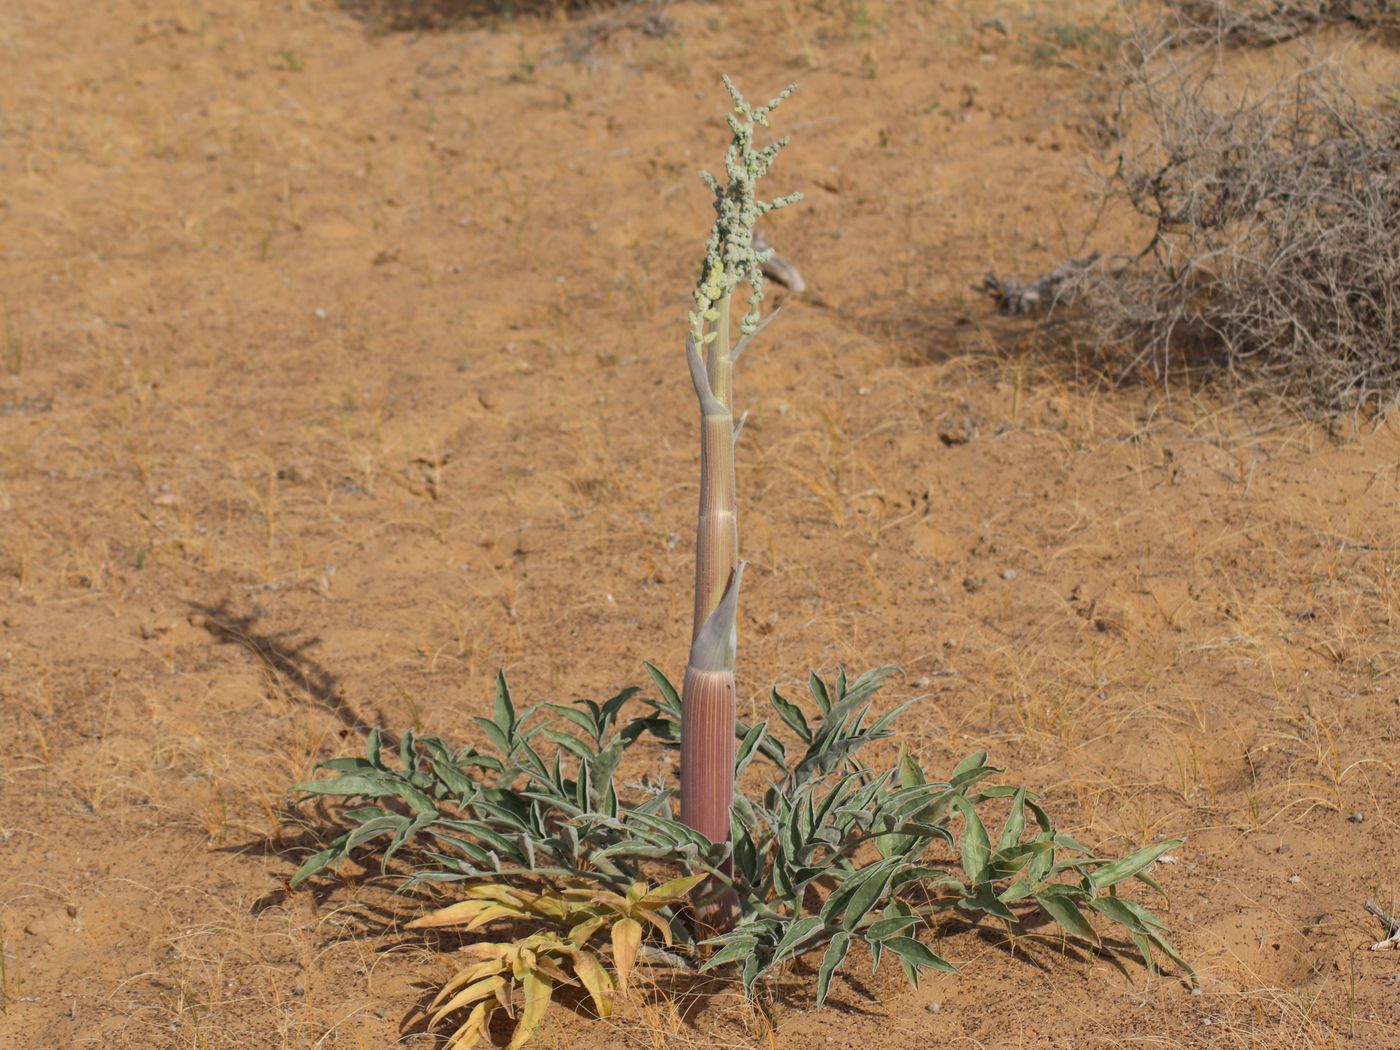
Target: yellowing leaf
[
  {"x": 475, "y": 972},
  {"x": 552, "y": 970},
  {"x": 607, "y": 899},
  {"x": 495, "y": 892},
  {"x": 469, "y": 1034},
  {"x": 580, "y": 934},
  {"x": 470, "y": 913},
  {"x": 477, "y": 1025},
  {"x": 538, "y": 989},
  {"x": 470, "y": 994},
  {"x": 495, "y": 950},
  {"x": 546, "y": 905},
  {"x": 657, "y": 921},
  {"x": 674, "y": 891},
  {"x": 626, "y": 943},
  {"x": 595, "y": 978}
]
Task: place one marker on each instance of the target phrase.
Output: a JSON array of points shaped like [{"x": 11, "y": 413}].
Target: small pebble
[
  {"x": 1281, "y": 849},
  {"x": 1357, "y": 818},
  {"x": 1009, "y": 574},
  {"x": 296, "y": 473},
  {"x": 1294, "y": 878},
  {"x": 933, "y": 1008}
]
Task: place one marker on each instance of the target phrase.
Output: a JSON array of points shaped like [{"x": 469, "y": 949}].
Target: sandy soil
[{"x": 342, "y": 364}]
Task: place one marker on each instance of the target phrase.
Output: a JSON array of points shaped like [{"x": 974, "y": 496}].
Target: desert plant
[
  {"x": 708, "y": 695},
  {"x": 831, "y": 851}
]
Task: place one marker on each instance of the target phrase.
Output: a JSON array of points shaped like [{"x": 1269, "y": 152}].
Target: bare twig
[
  {"x": 1014, "y": 296},
  {"x": 646, "y": 16},
  {"x": 777, "y": 268},
  {"x": 661, "y": 957},
  {"x": 1392, "y": 928}
]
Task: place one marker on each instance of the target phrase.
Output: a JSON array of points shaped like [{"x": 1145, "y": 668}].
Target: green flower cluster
[{"x": 729, "y": 253}]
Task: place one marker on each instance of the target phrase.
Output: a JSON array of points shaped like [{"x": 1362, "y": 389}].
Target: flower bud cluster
[{"x": 729, "y": 254}]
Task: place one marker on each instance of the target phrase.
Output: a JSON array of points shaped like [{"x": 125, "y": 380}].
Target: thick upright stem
[
  {"x": 719, "y": 362},
  {"x": 708, "y": 696},
  {"x": 708, "y": 745},
  {"x": 717, "y": 530},
  {"x": 707, "y": 752}
]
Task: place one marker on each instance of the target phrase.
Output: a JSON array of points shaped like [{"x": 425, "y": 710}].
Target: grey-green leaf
[
  {"x": 834, "y": 956},
  {"x": 1111, "y": 874},
  {"x": 890, "y": 926},
  {"x": 1015, "y": 824},
  {"x": 918, "y": 956},
  {"x": 314, "y": 864},
  {"x": 351, "y": 785},
  {"x": 796, "y": 938},
  {"x": 1067, "y": 914},
  {"x": 505, "y": 710},
  {"x": 792, "y": 715},
  {"x": 975, "y": 846}
]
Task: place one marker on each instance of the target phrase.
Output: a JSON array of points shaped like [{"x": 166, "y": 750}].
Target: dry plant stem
[{"x": 1392, "y": 928}]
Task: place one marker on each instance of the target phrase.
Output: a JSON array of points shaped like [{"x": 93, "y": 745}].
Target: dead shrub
[
  {"x": 1274, "y": 240},
  {"x": 1261, "y": 23}
]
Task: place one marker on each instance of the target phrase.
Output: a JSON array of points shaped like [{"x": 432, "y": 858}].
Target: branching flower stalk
[{"x": 708, "y": 695}]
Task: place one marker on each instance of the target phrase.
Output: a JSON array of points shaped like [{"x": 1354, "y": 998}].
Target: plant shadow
[
  {"x": 1058, "y": 344},
  {"x": 286, "y": 658},
  {"x": 995, "y": 324},
  {"x": 420, "y": 16},
  {"x": 1033, "y": 940}
]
